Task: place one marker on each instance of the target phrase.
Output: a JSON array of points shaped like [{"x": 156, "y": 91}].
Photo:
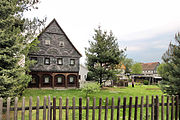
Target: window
[
  {"x": 59, "y": 61},
  {"x": 72, "y": 61},
  {"x": 47, "y": 61},
  {"x": 46, "y": 79},
  {"x": 71, "y": 79},
  {"x": 59, "y": 79},
  {"x": 47, "y": 42},
  {"x": 61, "y": 44}
]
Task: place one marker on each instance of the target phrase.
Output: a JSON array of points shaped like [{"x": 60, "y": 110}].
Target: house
[
  {"x": 149, "y": 72},
  {"x": 57, "y": 60},
  {"x": 83, "y": 75},
  {"x": 121, "y": 68}
]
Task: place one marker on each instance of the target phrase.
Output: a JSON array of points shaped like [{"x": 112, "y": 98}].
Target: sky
[{"x": 144, "y": 27}]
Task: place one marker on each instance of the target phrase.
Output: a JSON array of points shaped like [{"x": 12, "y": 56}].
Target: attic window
[
  {"x": 47, "y": 42},
  {"x": 61, "y": 44}
]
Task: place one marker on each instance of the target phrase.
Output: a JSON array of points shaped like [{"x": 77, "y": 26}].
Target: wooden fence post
[
  {"x": 112, "y": 109},
  {"x": 8, "y": 108},
  {"x": 177, "y": 108},
  {"x": 67, "y": 108},
  {"x": 87, "y": 108},
  {"x": 54, "y": 108},
  {"x": 141, "y": 108},
  {"x": 73, "y": 111},
  {"x": 130, "y": 107},
  {"x": 106, "y": 108},
  {"x": 15, "y": 108},
  {"x": 37, "y": 108},
  {"x": 60, "y": 108},
  {"x": 147, "y": 107},
  {"x": 23, "y": 109},
  {"x": 49, "y": 108},
  {"x": 94, "y": 105},
  {"x": 1, "y": 108},
  {"x": 100, "y": 108},
  {"x": 44, "y": 108},
  {"x": 135, "y": 109},
  {"x": 30, "y": 108},
  {"x": 172, "y": 108},
  {"x": 162, "y": 107},
  {"x": 118, "y": 108},
  {"x": 152, "y": 108},
  {"x": 156, "y": 109},
  {"x": 80, "y": 108},
  {"x": 124, "y": 108}
]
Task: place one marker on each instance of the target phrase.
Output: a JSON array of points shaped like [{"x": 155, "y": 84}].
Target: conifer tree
[
  {"x": 170, "y": 69},
  {"x": 16, "y": 34},
  {"x": 103, "y": 55}
]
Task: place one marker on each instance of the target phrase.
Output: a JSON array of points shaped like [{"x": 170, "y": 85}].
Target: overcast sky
[{"x": 145, "y": 27}]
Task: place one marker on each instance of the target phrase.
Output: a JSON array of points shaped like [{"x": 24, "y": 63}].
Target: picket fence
[{"x": 166, "y": 108}]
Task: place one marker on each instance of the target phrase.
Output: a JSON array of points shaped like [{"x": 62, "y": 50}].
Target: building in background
[
  {"x": 83, "y": 71},
  {"x": 57, "y": 60}
]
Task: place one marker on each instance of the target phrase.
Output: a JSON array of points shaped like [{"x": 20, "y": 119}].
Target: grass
[{"x": 140, "y": 90}]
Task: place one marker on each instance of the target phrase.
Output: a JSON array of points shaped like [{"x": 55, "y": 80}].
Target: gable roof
[
  {"x": 54, "y": 20},
  {"x": 149, "y": 66}
]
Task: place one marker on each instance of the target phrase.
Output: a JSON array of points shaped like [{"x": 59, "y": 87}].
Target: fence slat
[
  {"x": 80, "y": 108},
  {"x": 167, "y": 109},
  {"x": 141, "y": 108},
  {"x": 60, "y": 108},
  {"x": 49, "y": 108},
  {"x": 87, "y": 108},
  {"x": 1, "y": 108},
  {"x": 73, "y": 111},
  {"x": 177, "y": 107},
  {"x": 54, "y": 108},
  {"x": 15, "y": 108},
  {"x": 112, "y": 109},
  {"x": 157, "y": 108},
  {"x": 30, "y": 108},
  {"x": 100, "y": 107},
  {"x": 152, "y": 108},
  {"x": 23, "y": 109},
  {"x": 8, "y": 108},
  {"x": 124, "y": 108},
  {"x": 118, "y": 108},
  {"x": 67, "y": 108},
  {"x": 135, "y": 109},
  {"x": 106, "y": 108},
  {"x": 172, "y": 108},
  {"x": 44, "y": 108},
  {"x": 37, "y": 108},
  {"x": 130, "y": 107},
  {"x": 162, "y": 107},
  {"x": 147, "y": 107},
  {"x": 93, "y": 110}
]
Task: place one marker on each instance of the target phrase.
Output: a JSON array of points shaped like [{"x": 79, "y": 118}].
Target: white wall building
[{"x": 83, "y": 75}]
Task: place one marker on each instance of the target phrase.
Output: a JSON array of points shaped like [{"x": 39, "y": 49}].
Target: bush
[
  {"x": 146, "y": 82},
  {"x": 90, "y": 88}
]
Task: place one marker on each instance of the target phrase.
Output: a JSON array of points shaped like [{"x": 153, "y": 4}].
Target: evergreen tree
[
  {"x": 16, "y": 34},
  {"x": 170, "y": 69},
  {"x": 103, "y": 55}
]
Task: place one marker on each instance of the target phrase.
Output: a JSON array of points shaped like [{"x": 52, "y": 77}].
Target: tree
[
  {"x": 136, "y": 68},
  {"x": 16, "y": 34},
  {"x": 103, "y": 55},
  {"x": 128, "y": 62},
  {"x": 170, "y": 69}
]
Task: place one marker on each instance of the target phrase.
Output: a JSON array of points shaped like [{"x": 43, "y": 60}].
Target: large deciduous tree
[
  {"x": 103, "y": 55},
  {"x": 136, "y": 68},
  {"x": 16, "y": 35},
  {"x": 170, "y": 69}
]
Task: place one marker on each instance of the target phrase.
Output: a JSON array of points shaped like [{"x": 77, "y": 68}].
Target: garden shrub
[
  {"x": 146, "y": 82},
  {"x": 90, "y": 88}
]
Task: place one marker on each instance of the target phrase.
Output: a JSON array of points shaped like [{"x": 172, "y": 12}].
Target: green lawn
[{"x": 140, "y": 90}]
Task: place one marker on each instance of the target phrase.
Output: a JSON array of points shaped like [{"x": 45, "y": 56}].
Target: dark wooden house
[{"x": 57, "y": 60}]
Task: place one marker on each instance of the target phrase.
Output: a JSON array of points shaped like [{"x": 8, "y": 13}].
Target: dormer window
[
  {"x": 47, "y": 42},
  {"x": 47, "y": 61},
  {"x": 61, "y": 44}
]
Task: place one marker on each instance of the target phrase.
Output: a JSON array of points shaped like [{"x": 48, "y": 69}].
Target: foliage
[
  {"x": 103, "y": 55},
  {"x": 128, "y": 62},
  {"x": 91, "y": 76},
  {"x": 90, "y": 88},
  {"x": 146, "y": 82},
  {"x": 136, "y": 68},
  {"x": 170, "y": 69},
  {"x": 16, "y": 34}
]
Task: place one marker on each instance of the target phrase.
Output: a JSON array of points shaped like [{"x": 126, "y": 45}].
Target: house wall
[{"x": 83, "y": 75}]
